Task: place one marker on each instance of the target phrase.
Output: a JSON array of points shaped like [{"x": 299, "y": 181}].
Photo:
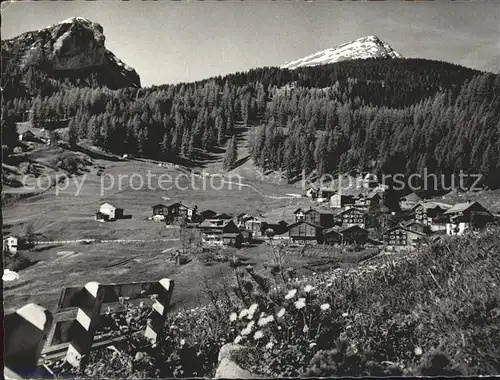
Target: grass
[{"x": 433, "y": 312}]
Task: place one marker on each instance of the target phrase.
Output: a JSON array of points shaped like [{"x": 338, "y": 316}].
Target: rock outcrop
[{"x": 70, "y": 49}]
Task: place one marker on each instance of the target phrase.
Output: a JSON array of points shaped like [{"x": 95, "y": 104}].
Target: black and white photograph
[{"x": 250, "y": 189}]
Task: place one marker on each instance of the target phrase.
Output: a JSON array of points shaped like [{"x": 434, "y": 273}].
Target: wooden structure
[
  {"x": 352, "y": 217},
  {"x": 303, "y": 231},
  {"x": 179, "y": 212},
  {"x": 25, "y": 332},
  {"x": 429, "y": 214},
  {"x": 468, "y": 215},
  {"x": 89, "y": 300},
  {"x": 400, "y": 236}
]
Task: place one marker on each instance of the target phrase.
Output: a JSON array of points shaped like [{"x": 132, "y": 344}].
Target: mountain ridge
[{"x": 361, "y": 48}]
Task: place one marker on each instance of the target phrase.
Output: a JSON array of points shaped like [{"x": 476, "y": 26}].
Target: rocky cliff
[{"x": 73, "y": 48}]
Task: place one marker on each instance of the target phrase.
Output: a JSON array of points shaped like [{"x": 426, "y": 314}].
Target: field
[{"x": 66, "y": 212}]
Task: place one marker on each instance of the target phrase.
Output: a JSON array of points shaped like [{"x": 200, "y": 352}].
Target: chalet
[
  {"x": 10, "y": 244},
  {"x": 247, "y": 236},
  {"x": 181, "y": 212},
  {"x": 323, "y": 218},
  {"x": 108, "y": 212},
  {"x": 351, "y": 217},
  {"x": 374, "y": 202},
  {"x": 220, "y": 232},
  {"x": 302, "y": 232},
  {"x": 250, "y": 223},
  {"x": 279, "y": 228},
  {"x": 468, "y": 215},
  {"x": 354, "y": 235},
  {"x": 409, "y": 201},
  {"x": 299, "y": 214},
  {"x": 223, "y": 216},
  {"x": 311, "y": 192},
  {"x": 207, "y": 214},
  {"x": 27, "y": 136},
  {"x": 341, "y": 201},
  {"x": 324, "y": 194},
  {"x": 417, "y": 227},
  {"x": 160, "y": 209},
  {"x": 400, "y": 236},
  {"x": 430, "y": 213},
  {"x": 332, "y": 236}
]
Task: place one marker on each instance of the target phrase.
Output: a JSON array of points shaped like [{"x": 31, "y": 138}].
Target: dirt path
[{"x": 77, "y": 241}]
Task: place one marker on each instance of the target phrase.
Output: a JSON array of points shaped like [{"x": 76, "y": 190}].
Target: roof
[
  {"x": 299, "y": 209},
  {"x": 215, "y": 223},
  {"x": 331, "y": 230},
  {"x": 412, "y": 197},
  {"x": 107, "y": 203},
  {"x": 158, "y": 205},
  {"x": 303, "y": 221},
  {"x": 182, "y": 204},
  {"x": 373, "y": 194},
  {"x": 399, "y": 226},
  {"x": 351, "y": 227},
  {"x": 412, "y": 222},
  {"x": 223, "y": 214},
  {"x": 432, "y": 205},
  {"x": 461, "y": 207}
]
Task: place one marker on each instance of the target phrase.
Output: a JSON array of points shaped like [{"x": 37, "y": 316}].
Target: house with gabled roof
[
  {"x": 351, "y": 217},
  {"x": 108, "y": 212},
  {"x": 429, "y": 214},
  {"x": 401, "y": 236},
  {"x": 10, "y": 244},
  {"x": 467, "y": 215},
  {"x": 346, "y": 235},
  {"x": 220, "y": 232},
  {"x": 181, "y": 212},
  {"x": 303, "y": 232}
]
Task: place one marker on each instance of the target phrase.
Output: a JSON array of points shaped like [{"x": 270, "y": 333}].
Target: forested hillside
[{"x": 391, "y": 116}]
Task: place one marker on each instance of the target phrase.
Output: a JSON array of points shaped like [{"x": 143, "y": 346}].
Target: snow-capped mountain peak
[{"x": 362, "y": 48}]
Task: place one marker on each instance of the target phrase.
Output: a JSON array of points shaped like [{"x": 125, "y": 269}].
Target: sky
[{"x": 182, "y": 41}]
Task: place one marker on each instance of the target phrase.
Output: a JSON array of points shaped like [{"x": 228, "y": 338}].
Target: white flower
[
  {"x": 281, "y": 312},
  {"x": 258, "y": 334},
  {"x": 269, "y": 345},
  {"x": 265, "y": 321},
  {"x": 312, "y": 345},
  {"x": 279, "y": 327},
  {"x": 291, "y": 294},
  {"x": 243, "y": 313},
  {"x": 308, "y": 288},
  {"x": 325, "y": 307},
  {"x": 345, "y": 314},
  {"x": 417, "y": 351},
  {"x": 329, "y": 284},
  {"x": 233, "y": 317},
  {"x": 183, "y": 342},
  {"x": 301, "y": 303},
  {"x": 238, "y": 339},
  {"x": 252, "y": 308},
  {"x": 305, "y": 329}
]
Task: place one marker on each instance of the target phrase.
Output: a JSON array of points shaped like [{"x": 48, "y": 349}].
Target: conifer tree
[{"x": 231, "y": 155}]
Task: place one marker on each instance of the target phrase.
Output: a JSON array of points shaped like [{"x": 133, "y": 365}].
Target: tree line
[{"x": 383, "y": 115}]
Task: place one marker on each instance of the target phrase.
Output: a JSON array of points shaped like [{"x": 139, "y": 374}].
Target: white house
[
  {"x": 10, "y": 244},
  {"x": 109, "y": 212}
]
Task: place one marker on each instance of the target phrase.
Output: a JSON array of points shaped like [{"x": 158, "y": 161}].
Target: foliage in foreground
[{"x": 436, "y": 312}]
